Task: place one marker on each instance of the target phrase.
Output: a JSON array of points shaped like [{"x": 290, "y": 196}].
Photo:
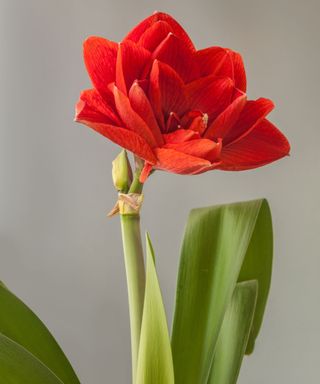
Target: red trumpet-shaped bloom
[{"x": 179, "y": 109}]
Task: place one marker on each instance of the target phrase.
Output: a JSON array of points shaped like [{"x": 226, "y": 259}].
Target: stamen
[{"x": 205, "y": 119}]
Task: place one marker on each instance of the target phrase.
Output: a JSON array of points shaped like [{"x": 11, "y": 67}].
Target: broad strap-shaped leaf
[
  {"x": 217, "y": 242},
  {"x": 22, "y": 326},
  {"x": 234, "y": 334},
  {"x": 155, "y": 358},
  {"x": 18, "y": 366},
  {"x": 258, "y": 265}
]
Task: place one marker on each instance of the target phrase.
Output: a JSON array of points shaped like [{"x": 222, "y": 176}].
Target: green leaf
[
  {"x": 234, "y": 334},
  {"x": 22, "y": 326},
  {"x": 257, "y": 265},
  {"x": 18, "y": 366},
  {"x": 155, "y": 359},
  {"x": 219, "y": 242}
]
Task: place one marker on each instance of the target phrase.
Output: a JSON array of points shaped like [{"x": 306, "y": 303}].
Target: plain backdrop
[{"x": 59, "y": 251}]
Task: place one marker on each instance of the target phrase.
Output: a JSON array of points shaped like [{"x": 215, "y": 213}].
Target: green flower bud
[{"x": 122, "y": 172}]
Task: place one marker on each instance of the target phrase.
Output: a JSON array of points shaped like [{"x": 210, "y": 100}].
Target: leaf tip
[{"x": 150, "y": 251}]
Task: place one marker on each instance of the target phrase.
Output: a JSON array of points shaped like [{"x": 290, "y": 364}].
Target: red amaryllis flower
[{"x": 179, "y": 109}]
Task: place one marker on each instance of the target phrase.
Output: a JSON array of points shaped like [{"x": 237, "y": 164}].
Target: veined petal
[
  {"x": 179, "y": 56},
  {"x": 199, "y": 124},
  {"x": 239, "y": 73},
  {"x": 180, "y": 136},
  {"x": 253, "y": 112},
  {"x": 131, "y": 119},
  {"x": 131, "y": 63},
  {"x": 155, "y": 95},
  {"x": 177, "y": 162},
  {"x": 210, "y": 95},
  {"x": 220, "y": 127},
  {"x": 207, "y": 168},
  {"x": 141, "y": 104},
  {"x": 146, "y": 170},
  {"x": 92, "y": 107},
  {"x": 154, "y": 35},
  {"x": 136, "y": 33},
  {"x": 173, "y": 121},
  {"x": 213, "y": 61},
  {"x": 166, "y": 92},
  {"x": 203, "y": 148},
  {"x": 125, "y": 138},
  {"x": 262, "y": 145},
  {"x": 222, "y": 62},
  {"x": 188, "y": 118},
  {"x": 100, "y": 59}
]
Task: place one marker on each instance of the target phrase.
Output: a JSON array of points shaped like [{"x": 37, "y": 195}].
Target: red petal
[
  {"x": 203, "y": 148},
  {"x": 146, "y": 170},
  {"x": 178, "y": 162},
  {"x": 166, "y": 92},
  {"x": 131, "y": 63},
  {"x": 253, "y": 112},
  {"x": 136, "y": 33},
  {"x": 188, "y": 118},
  {"x": 100, "y": 59},
  {"x": 173, "y": 122},
  {"x": 131, "y": 119},
  {"x": 92, "y": 107},
  {"x": 263, "y": 145},
  {"x": 210, "y": 95},
  {"x": 222, "y": 62},
  {"x": 199, "y": 124},
  {"x": 180, "y": 136},
  {"x": 213, "y": 61},
  {"x": 180, "y": 57},
  {"x": 239, "y": 73},
  {"x": 155, "y": 95},
  {"x": 154, "y": 35},
  {"x": 142, "y": 106},
  {"x": 125, "y": 138},
  {"x": 220, "y": 127},
  {"x": 206, "y": 168}
]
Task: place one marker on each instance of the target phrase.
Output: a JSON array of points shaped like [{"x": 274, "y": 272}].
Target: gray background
[{"x": 61, "y": 254}]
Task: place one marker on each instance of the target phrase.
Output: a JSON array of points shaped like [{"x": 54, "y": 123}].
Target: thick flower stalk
[
  {"x": 134, "y": 262},
  {"x": 179, "y": 109},
  {"x": 128, "y": 206}
]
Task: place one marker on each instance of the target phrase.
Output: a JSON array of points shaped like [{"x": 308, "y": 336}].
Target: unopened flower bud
[{"x": 122, "y": 172}]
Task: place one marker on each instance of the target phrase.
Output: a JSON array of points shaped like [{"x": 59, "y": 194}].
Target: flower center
[{"x": 194, "y": 120}]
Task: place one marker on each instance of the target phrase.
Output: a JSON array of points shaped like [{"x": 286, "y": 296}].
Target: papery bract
[{"x": 179, "y": 109}]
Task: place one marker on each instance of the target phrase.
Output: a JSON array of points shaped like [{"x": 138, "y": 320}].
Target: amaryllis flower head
[{"x": 179, "y": 109}]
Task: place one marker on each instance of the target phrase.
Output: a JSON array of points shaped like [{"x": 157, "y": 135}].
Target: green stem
[
  {"x": 136, "y": 186},
  {"x": 135, "y": 272}
]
